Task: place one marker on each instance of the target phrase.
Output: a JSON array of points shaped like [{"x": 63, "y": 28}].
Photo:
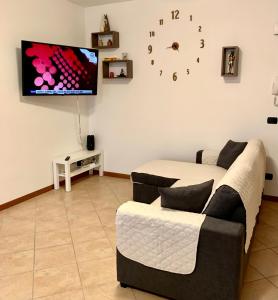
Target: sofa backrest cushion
[
  {"x": 191, "y": 198},
  {"x": 226, "y": 204},
  {"x": 207, "y": 157},
  {"x": 229, "y": 153}
]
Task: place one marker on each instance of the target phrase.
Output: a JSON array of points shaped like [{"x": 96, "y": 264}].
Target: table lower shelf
[{"x": 81, "y": 170}]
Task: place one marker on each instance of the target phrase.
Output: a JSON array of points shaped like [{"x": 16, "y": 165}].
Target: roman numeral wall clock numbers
[{"x": 188, "y": 48}]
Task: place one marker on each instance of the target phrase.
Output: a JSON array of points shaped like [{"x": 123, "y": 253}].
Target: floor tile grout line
[
  {"x": 57, "y": 294},
  {"x": 15, "y": 274},
  {"x": 54, "y": 246},
  {"x": 267, "y": 278},
  {"x": 256, "y": 269},
  {"x": 82, "y": 288},
  {"x": 103, "y": 225},
  {"x": 251, "y": 281},
  {"x": 272, "y": 276},
  {"x": 16, "y": 252},
  {"x": 115, "y": 194},
  {"x": 266, "y": 247},
  {"x": 133, "y": 293}
]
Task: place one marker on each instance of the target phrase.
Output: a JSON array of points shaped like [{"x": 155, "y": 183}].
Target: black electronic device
[
  {"x": 91, "y": 142},
  {"x": 58, "y": 70},
  {"x": 272, "y": 120}
]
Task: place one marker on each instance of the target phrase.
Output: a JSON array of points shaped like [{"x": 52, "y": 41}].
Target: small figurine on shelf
[
  {"x": 124, "y": 55},
  {"x": 111, "y": 75},
  {"x": 231, "y": 61},
  {"x": 122, "y": 74},
  {"x": 106, "y": 27},
  {"x": 109, "y": 43},
  {"x": 100, "y": 43}
]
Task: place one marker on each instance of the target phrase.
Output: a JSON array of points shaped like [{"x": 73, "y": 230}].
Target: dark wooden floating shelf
[
  {"x": 128, "y": 66},
  {"x": 104, "y": 47},
  {"x": 121, "y": 78},
  {"x": 114, "y": 37},
  {"x": 116, "y": 61}
]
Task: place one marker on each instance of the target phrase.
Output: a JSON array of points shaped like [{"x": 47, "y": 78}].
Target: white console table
[{"x": 69, "y": 168}]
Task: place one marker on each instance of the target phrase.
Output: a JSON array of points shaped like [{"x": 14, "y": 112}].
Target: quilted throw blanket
[
  {"x": 159, "y": 238},
  {"x": 247, "y": 175}
]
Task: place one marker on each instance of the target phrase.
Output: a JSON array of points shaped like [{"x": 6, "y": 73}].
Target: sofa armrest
[
  {"x": 207, "y": 156},
  {"x": 171, "y": 234},
  {"x": 218, "y": 273}
]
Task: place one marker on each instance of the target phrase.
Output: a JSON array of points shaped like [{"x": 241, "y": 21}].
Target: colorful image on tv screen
[{"x": 58, "y": 70}]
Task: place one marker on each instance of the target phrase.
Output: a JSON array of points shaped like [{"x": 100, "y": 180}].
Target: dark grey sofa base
[
  {"x": 219, "y": 268},
  {"x": 145, "y": 193},
  {"x": 145, "y": 186}
]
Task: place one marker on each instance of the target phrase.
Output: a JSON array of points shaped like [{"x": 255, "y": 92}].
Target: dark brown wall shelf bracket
[
  {"x": 106, "y": 40},
  {"x": 126, "y": 65}
]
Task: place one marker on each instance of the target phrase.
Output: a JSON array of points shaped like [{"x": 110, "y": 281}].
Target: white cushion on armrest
[{"x": 159, "y": 238}]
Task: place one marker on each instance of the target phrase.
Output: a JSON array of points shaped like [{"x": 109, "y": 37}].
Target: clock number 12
[{"x": 175, "y": 14}]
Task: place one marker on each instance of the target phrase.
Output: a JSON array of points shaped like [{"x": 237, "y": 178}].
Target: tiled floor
[{"x": 60, "y": 246}]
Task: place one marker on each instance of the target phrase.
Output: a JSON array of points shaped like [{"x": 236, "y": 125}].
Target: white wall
[
  {"x": 151, "y": 117},
  {"x": 34, "y": 130}
]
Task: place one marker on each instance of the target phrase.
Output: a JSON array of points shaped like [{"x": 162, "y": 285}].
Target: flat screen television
[{"x": 55, "y": 70}]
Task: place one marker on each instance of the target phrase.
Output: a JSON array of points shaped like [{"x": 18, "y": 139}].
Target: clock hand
[{"x": 175, "y": 46}]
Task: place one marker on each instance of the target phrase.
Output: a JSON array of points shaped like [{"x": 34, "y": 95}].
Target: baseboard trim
[
  {"x": 26, "y": 197},
  {"x": 270, "y": 198},
  {"x": 116, "y": 175},
  {"x": 40, "y": 192},
  {"x": 76, "y": 179}
]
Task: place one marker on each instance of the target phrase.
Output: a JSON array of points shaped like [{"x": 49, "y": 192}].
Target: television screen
[{"x": 49, "y": 69}]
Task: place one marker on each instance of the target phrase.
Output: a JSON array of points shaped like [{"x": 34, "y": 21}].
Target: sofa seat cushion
[{"x": 186, "y": 172}]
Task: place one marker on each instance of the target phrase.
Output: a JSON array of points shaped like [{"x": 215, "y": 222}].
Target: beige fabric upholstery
[
  {"x": 247, "y": 176},
  {"x": 190, "y": 173}
]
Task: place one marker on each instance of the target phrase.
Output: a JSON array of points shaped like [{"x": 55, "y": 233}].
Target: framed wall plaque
[{"x": 230, "y": 59}]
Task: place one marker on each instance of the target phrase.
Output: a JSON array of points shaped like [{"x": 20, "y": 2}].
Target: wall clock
[{"x": 178, "y": 41}]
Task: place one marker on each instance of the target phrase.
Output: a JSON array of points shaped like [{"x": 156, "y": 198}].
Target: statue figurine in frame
[
  {"x": 231, "y": 62},
  {"x": 230, "y": 59}
]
